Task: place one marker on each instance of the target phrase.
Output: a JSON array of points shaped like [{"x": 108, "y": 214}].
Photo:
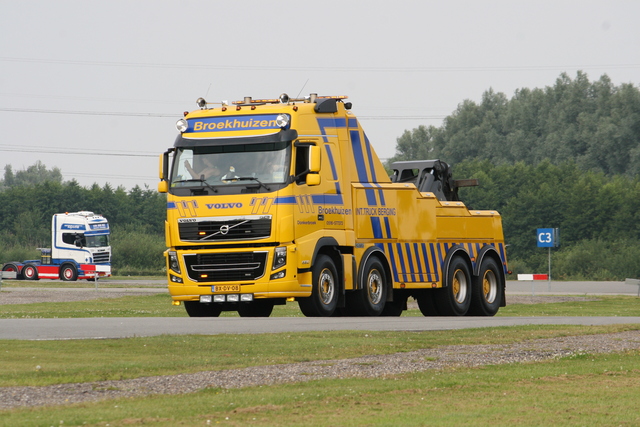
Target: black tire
[
  {"x": 455, "y": 298},
  {"x": 68, "y": 273},
  {"x": 198, "y": 309},
  {"x": 13, "y": 267},
  {"x": 256, "y": 308},
  {"x": 370, "y": 300},
  {"x": 396, "y": 307},
  {"x": 30, "y": 272},
  {"x": 324, "y": 294},
  {"x": 426, "y": 303},
  {"x": 486, "y": 293}
]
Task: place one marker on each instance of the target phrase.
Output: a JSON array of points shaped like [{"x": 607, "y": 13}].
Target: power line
[
  {"x": 87, "y": 113},
  {"x": 88, "y": 99},
  {"x": 110, "y": 176},
  {"x": 62, "y": 150},
  {"x": 322, "y": 67}
]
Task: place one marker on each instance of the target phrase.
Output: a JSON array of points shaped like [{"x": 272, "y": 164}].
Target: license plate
[{"x": 225, "y": 288}]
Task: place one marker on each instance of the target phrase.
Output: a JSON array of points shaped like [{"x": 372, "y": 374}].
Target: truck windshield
[
  {"x": 248, "y": 165},
  {"x": 97, "y": 241}
]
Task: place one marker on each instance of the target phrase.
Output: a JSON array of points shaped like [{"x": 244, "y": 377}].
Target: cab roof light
[
  {"x": 203, "y": 104},
  {"x": 182, "y": 125}
]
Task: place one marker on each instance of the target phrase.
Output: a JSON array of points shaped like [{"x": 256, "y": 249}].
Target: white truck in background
[{"x": 79, "y": 250}]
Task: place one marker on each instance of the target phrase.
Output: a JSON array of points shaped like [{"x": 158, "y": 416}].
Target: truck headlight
[
  {"x": 173, "y": 262},
  {"x": 280, "y": 257}
]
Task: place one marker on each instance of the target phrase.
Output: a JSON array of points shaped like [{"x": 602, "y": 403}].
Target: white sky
[{"x": 95, "y": 87}]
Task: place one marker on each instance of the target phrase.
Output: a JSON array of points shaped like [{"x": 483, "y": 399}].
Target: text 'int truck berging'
[{"x": 272, "y": 200}]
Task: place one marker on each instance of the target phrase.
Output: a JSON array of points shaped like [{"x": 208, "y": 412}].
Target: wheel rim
[
  {"x": 68, "y": 273},
  {"x": 375, "y": 286},
  {"x": 29, "y": 272},
  {"x": 490, "y": 286},
  {"x": 326, "y": 286},
  {"x": 460, "y": 286}
]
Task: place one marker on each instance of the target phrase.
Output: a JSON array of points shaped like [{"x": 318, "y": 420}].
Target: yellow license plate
[{"x": 225, "y": 288}]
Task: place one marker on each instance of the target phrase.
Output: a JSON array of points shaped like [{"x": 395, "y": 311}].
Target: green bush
[
  {"x": 597, "y": 259},
  {"x": 17, "y": 253},
  {"x": 136, "y": 252}
]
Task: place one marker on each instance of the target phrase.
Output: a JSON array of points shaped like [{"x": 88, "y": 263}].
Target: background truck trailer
[
  {"x": 278, "y": 199},
  {"x": 79, "y": 250}
]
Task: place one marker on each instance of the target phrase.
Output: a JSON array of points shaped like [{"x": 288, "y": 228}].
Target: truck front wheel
[
  {"x": 30, "y": 272},
  {"x": 68, "y": 273},
  {"x": 256, "y": 308},
  {"x": 198, "y": 309},
  {"x": 324, "y": 294}
]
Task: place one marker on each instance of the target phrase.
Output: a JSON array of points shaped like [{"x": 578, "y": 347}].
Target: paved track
[
  {"x": 120, "y": 327},
  {"x": 45, "y": 329}
]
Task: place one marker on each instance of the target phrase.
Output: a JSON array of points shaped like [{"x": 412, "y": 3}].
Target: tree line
[
  {"x": 29, "y": 198},
  {"x": 565, "y": 156},
  {"x": 594, "y": 124}
]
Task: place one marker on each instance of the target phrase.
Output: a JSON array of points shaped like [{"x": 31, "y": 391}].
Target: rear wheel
[
  {"x": 455, "y": 298},
  {"x": 426, "y": 303},
  {"x": 371, "y": 298},
  {"x": 486, "y": 294},
  {"x": 396, "y": 307},
  {"x": 68, "y": 273},
  {"x": 30, "y": 272},
  {"x": 12, "y": 267},
  {"x": 256, "y": 308},
  {"x": 324, "y": 294},
  {"x": 198, "y": 309}
]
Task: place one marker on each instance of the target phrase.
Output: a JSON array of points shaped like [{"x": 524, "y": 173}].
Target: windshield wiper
[
  {"x": 201, "y": 180},
  {"x": 253, "y": 178}
]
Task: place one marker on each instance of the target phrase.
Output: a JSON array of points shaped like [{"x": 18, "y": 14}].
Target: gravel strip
[{"x": 360, "y": 367}]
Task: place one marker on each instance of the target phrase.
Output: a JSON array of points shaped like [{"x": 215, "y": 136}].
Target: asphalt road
[
  {"x": 49, "y": 329},
  {"x": 121, "y": 327}
]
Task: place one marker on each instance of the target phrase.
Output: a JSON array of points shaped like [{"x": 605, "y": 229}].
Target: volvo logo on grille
[{"x": 224, "y": 229}]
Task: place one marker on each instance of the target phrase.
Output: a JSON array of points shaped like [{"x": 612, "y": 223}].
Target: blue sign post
[{"x": 548, "y": 238}]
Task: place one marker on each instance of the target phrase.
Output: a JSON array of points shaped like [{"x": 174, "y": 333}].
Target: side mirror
[
  {"x": 163, "y": 173},
  {"x": 313, "y": 179},
  {"x": 163, "y": 187},
  {"x": 314, "y": 158},
  {"x": 163, "y": 166}
]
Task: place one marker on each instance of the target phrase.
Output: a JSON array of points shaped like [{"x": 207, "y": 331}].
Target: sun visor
[{"x": 282, "y": 136}]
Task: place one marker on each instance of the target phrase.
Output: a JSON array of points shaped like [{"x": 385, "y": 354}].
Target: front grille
[
  {"x": 101, "y": 257},
  {"x": 226, "y": 267},
  {"x": 227, "y": 229}
]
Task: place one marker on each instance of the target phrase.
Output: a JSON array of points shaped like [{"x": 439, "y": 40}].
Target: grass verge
[
  {"x": 38, "y": 363},
  {"x": 584, "y": 390}
]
